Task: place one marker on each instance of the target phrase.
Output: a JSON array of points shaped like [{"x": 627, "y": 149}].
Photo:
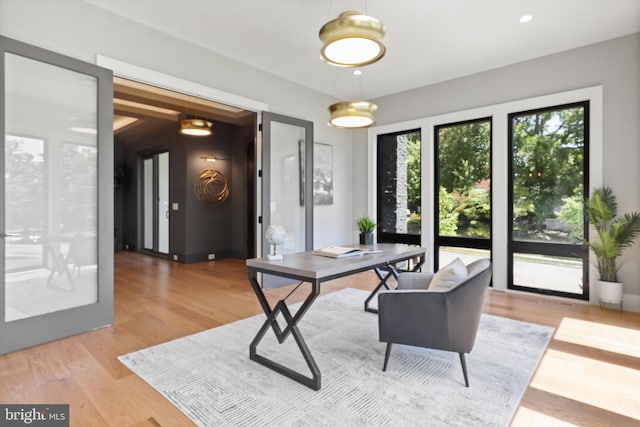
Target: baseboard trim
[{"x": 631, "y": 302}]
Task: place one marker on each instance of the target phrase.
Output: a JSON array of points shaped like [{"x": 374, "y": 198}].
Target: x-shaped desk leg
[
  {"x": 383, "y": 282},
  {"x": 282, "y": 334}
]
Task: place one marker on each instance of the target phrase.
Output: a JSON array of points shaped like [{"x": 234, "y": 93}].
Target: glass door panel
[
  {"x": 25, "y": 210},
  {"x": 155, "y": 203},
  {"x": 287, "y": 179},
  {"x": 56, "y": 109},
  {"x": 163, "y": 203},
  {"x": 147, "y": 203},
  {"x": 50, "y": 190},
  {"x": 548, "y": 182},
  {"x": 287, "y": 205}
]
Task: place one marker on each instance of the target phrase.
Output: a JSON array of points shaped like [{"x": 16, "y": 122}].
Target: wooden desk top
[{"x": 306, "y": 265}]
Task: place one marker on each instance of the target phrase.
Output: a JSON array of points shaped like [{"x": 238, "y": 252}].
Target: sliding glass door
[{"x": 548, "y": 182}]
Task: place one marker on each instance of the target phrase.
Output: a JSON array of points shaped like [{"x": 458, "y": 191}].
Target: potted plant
[
  {"x": 614, "y": 234},
  {"x": 366, "y": 227}
]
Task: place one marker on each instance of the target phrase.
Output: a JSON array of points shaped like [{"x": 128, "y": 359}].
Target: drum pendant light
[
  {"x": 352, "y": 40},
  {"x": 195, "y": 127},
  {"x": 352, "y": 114}
]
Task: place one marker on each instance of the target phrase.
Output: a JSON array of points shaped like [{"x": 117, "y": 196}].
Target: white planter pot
[{"x": 610, "y": 292}]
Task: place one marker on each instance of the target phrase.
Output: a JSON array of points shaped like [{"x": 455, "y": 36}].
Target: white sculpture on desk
[{"x": 275, "y": 236}]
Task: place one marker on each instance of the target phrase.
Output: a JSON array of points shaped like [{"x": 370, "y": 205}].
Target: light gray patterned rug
[{"x": 210, "y": 378}]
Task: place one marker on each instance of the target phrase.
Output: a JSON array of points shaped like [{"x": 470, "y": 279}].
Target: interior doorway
[{"x": 157, "y": 208}]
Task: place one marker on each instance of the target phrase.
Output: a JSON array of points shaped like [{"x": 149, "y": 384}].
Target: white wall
[
  {"x": 82, "y": 31},
  {"x": 614, "y": 64}
]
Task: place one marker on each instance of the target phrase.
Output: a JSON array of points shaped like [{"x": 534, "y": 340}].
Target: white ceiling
[{"x": 427, "y": 41}]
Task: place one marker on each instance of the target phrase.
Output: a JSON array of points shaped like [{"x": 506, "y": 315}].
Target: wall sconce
[{"x": 211, "y": 159}]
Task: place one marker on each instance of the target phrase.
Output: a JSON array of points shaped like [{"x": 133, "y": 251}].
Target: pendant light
[
  {"x": 195, "y": 127},
  {"x": 352, "y": 114},
  {"x": 352, "y": 40}
]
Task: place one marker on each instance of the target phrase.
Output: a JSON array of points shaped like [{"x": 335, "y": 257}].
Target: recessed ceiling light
[
  {"x": 357, "y": 72},
  {"x": 526, "y": 18}
]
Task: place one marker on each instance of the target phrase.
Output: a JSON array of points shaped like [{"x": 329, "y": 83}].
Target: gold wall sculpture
[{"x": 210, "y": 186}]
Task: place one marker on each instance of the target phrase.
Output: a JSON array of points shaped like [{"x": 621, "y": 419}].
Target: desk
[{"x": 315, "y": 269}]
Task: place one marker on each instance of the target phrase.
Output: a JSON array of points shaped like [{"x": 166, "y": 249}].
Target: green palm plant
[
  {"x": 366, "y": 224},
  {"x": 614, "y": 233}
]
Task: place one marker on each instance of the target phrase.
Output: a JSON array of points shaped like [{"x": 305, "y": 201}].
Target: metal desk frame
[{"x": 314, "y": 269}]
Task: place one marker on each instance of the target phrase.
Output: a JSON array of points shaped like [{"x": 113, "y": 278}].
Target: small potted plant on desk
[
  {"x": 614, "y": 235},
  {"x": 366, "y": 227}
]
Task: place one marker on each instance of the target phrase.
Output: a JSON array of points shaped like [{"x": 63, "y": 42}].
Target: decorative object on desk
[
  {"x": 366, "y": 227},
  {"x": 190, "y": 372},
  {"x": 275, "y": 236},
  {"x": 615, "y": 233},
  {"x": 210, "y": 186},
  {"x": 322, "y": 174}
]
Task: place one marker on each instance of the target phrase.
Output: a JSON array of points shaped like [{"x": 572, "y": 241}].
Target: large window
[
  {"x": 548, "y": 170},
  {"x": 399, "y": 202},
  {"x": 462, "y": 191}
]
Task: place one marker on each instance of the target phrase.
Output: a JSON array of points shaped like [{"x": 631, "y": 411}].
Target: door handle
[
  {"x": 9, "y": 235},
  {"x": 166, "y": 214}
]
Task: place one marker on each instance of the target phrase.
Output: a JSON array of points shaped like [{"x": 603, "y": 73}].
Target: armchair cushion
[{"x": 449, "y": 276}]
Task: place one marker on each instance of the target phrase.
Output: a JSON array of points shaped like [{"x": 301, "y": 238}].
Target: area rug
[{"x": 210, "y": 378}]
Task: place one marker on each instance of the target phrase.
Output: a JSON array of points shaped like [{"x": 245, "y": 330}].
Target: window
[
  {"x": 548, "y": 182},
  {"x": 462, "y": 191},
  {"x": 399, "y": 201}
]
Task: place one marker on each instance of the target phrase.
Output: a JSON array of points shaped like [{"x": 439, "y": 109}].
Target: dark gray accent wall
[{"x": 196, "y": 229}]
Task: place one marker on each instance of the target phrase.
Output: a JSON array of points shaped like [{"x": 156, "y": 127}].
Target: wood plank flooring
[{"x": 589, "y": 375}]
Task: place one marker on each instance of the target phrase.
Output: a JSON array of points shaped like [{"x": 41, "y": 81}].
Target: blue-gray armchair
[{"x": 439, "y": 319}]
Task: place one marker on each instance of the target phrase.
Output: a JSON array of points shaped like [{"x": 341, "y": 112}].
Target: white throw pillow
[{"x": 449, "y": 276}]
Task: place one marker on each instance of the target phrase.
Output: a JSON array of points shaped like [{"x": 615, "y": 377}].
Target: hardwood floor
[{"x": 589, "y": 375}]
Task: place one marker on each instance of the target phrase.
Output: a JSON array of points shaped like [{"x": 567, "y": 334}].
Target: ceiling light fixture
[
  {"x": 526, "y": 18},
  {"x": 195, "y": 127},
  {"x": 352, "y": 40},
  {"x": 352, "y": 114}
]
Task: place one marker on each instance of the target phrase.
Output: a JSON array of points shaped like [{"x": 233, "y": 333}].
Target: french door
[
  {"x": 548, "y": 183},
  {"x": 155, "y": 203},
  {"x": 287, "y": 184},
  {"x": 56, "y": 191}
]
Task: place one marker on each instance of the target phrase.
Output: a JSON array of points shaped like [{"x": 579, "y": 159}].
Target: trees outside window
[{"x": 548, "y": 174}]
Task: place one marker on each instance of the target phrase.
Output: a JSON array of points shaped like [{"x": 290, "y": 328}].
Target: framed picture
[{"x": 322, "y": 174}]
